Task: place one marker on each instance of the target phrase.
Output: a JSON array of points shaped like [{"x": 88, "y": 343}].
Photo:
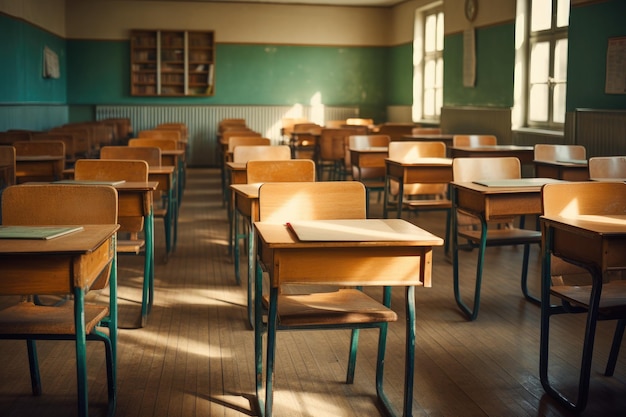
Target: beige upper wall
[
  {"x": 237, "y": 23},
  {"x": 47, "y": 14}
]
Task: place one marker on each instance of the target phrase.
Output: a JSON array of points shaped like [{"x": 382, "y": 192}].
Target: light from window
[{"x": 433, "y": 65}]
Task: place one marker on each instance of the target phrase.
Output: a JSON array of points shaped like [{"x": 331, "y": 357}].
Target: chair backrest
[
  {"x": 267, "y": 153},
  {"x": 311, "y": 128},
  {"x": 224, "y": 123},
  {"x": 287, "y": 124},
  {"x": 474, "y": 140},
  {"x": 160, "y": 134},
  {"x": 569, "y": 199},
  {"x": 163, "y": 144},
  {"x": 357, "y": 121},
  {"x": 607, "y": 167},
  {"x": 412, "y": 151},
  {"x": 115, "y": 170},
  {"x": 326, "y": 200},
  {"x": 150, "y": 154},
  {"x": 368, "y": 141},
  {"x": 396, "y": 130},
  {"x": 552, "y": 153},
  {"x": 333, "y": 143},
  {"x": 237, "y": 131},
  {"x": 181, "y": 127},
  {"x": 234, "y": 141},
  {"x": 7, "y": 159},
  {"x": 293, "y": 170},
  {"x": 40, "y": 147},
  {"x": 334, "y": 124},
  {"x": 472, "y": 169},
  {"x": 40, "y": 172},
  {"x": 59, "y": 204}
]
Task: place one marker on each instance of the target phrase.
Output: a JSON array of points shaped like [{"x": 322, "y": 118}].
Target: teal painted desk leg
[
  {"x": 259, "y": 329},
  {"x": 236, "y": 250},
  {"x": 251, "y": 269},
  {"x": 81, "y": 352},
  {"x": 148, "y": 279}
]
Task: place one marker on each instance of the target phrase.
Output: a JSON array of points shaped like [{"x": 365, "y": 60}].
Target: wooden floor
[{"x": 195, "y": 356}]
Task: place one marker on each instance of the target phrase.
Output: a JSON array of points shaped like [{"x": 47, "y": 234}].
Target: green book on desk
[
  {"x": 90, "y": 182},
  {"x": 36, "y": 232}
]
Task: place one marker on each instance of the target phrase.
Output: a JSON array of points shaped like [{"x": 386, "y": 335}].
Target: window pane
[
  {"x": 538, "y": 103},
  {"x": 438, "y": 101},
  {"x": 429, "y": 74},
  {"x": 430, "y": 41},
  {"x": 558, "y": 106},
  {"x": 562, "y": 13},
  {"x": 560, "y": 60},
  {"x": 429, "y": 102},
  {"x": 440, "y": 31},
  {"x": 539, "y": 63},
  {"x": 541, "y": 15}
]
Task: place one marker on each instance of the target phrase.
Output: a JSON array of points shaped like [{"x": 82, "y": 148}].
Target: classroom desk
[
  {"x": 165, "y": 176},
  {"x": 429, "y": 137},
  {"x": 247, "y": 205},
  {"x": 135, "y": 199},
  {"x": 236, "y": 174},
  {"x": 562, "y": 170},
  {"x": 424, "y": 171},
  {"x": 176, "y": 158},
  {"x": 70, "y": 265},
  {"x": 386, "y": 263},
  {"x": 39, "y": 166},
  {"x": 524, "y": 153},
  {"x": 489, "y": 203},
  {"x": 597, "y": 242},
  {"x": 373, "y": 157}
]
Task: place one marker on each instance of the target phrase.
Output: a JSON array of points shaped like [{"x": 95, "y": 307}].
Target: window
[
  {"x": 428, "y": 65},
  {"x": 547, "y": 62}
]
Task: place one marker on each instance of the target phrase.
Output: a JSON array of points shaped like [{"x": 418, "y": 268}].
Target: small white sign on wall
[
  {"x": 50, "y": 63},
  {"x": 616, "y": 66}
]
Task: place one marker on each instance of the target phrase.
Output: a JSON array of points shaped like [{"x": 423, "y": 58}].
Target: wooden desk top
[
  {"x": 236, "y": 166},
  {"x": 372, "y": 149},
  {"x": 602, "y": 225},
  {"x": 247, "y": 190},
  {"x": 504, "y": 186},
  {"x": 572, "y": 163},
  {"x": 173, "y": 152},
  {"x": 38, "y": 158}
]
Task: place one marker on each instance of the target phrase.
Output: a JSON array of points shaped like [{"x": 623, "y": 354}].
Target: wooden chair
[
  {"x": 131, "y": 217},
  {"x": 7, "y": 166},
  {"x": 51, "y": 204},
  {"x": 261, "y": 152},
  {"x": 261, "y": 171},
  {"x": 344, "y": 308},
  {"x": 418, "y": 196},
  {"x": 73, "y": 148},
  {"x": 234, "y": 141},
  {"x": 39, "y": 160},
  {"x": 474, "y": 140},
  {"x": 372, "y": 177},
  {"x": 181, "y": 127},
  {"x": 426, "y": 131},
  {"x": 222, "y": 150},
  {"x": 553, "y": 153},
  {"x": 152, "y": 155},
  {"x": 11, "y": 136},
  {"x": 396, "y": 131},
  {"x": 607, "y": 167},
  {"x": 160, "y": 134},
  {"x": 601, "y": 297},
  {"x": 472, "y": 169},
  {"x": 332, "y": 152}
]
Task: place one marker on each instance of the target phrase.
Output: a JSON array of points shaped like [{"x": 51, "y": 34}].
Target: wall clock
[{"x": 471, "y": 7}]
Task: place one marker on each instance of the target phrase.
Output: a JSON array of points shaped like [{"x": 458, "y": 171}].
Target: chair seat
[
  {"x": 29, "y": 319},
  {"x": 130, "y": 246},
  {"x": 344, "y": 306},
  {"x": 612, "y": 301},
  {"x": 427, "y": 203},
  {"x": 506, "y": 236}
]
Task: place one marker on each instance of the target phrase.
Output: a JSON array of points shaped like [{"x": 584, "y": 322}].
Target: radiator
[
  {"x": 601, "y": 132},
  {"x": 202, "y": 121}
]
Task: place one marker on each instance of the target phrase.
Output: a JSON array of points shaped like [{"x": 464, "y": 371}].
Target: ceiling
[{"x": 371, "y": 3}]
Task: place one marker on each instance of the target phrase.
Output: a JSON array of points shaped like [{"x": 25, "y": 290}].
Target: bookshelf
[{"x": 172, "y": 63}]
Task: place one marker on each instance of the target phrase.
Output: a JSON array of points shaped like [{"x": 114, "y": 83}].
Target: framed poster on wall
[{"x": 616, "y": 66}]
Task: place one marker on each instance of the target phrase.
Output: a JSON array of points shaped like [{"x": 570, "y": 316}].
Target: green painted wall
[
  {"x": 21, "y": 71},
  {"x": 590, "y": 28},
  {"x": 401, "y": 75},
  {"x": 495, "y": 61},
  {"x": 245, "y": 75}
]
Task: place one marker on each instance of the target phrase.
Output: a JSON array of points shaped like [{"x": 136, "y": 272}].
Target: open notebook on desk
[
  {"x": 36, "y": 232},
  {"x": 516, "y": 182},
  {"x": 349, "y": 230}
]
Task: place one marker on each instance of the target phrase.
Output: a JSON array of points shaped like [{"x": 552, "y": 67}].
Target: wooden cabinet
[{"x": 172, "y": 63}]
